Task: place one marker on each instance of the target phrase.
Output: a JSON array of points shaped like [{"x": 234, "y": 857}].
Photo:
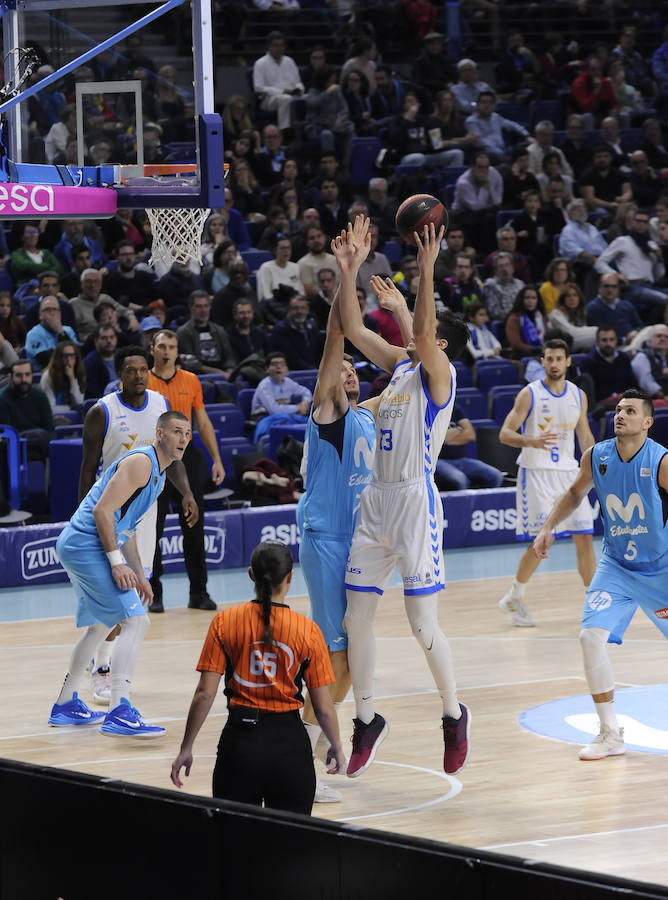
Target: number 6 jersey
[{"x": 557, "y": 413}]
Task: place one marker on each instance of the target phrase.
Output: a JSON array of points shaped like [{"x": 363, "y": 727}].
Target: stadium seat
[
  {"x": 502, "y": 398},
  {"x": 278, "y": 432},
  {"x": 513, "y": 110},
  {"x": 393, "y": 251},
  {"x": 364, "y": 151},
  {"x": 472, "y": 403},
  {"x": 245, "y": 400},
  {"x": 255, "y": 258},
  {"x": 306, "y": 378},
  {"x": 494, "y": 453},
  {"x": 552, "y": 110},
  {"x": 464, "y": 374},
  {"x": 230, "y": 422},
  {"x": 506, "y": 215},
  {"x": 495, "y": 371}
]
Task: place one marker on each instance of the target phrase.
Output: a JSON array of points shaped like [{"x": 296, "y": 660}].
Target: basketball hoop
[{"x": 177, "y": 233}]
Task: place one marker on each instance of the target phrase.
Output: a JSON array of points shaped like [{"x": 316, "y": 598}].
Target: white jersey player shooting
[{"x": 401, "y": 517}]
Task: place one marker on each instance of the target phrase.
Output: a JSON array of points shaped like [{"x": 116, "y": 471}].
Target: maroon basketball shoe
[
  {"x": 456, "y": 738},
  {"x": 366, "y": 741}
]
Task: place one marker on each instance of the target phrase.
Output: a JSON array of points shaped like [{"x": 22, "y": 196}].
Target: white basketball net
[{"x": 177, "y": 235}]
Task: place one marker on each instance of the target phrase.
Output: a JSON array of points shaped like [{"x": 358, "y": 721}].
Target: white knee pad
[
  {"x": 597, "y": 666},
  {"x": 136, "y": 625}
]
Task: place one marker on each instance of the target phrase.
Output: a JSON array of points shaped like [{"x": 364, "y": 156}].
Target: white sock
[
  {"x": 517, "y": 590},
  {"x": 607, "y": 715},
  {"x": 364, "y": 708},
  {"x": 313, "y": 732},
  {"x": 126, "y": 653},
  {"x": 82, "y": 653}
]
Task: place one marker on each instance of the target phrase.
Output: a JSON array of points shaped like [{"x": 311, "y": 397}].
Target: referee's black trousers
[
  {"x": 269, "y": 762},
  {"x": 193, "y": 538}
]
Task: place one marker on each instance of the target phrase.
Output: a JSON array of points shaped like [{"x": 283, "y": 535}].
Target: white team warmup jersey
[
  {"x": 401, "y": 515},
  {"x": 557, "y": 413},
  {"x": 544, "y": 475},
  {"x": 127, "y": 428}
]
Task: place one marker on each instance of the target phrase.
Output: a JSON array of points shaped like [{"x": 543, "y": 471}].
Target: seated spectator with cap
[
  {"x": 150, "y": 326},
  {"x": 42, "y": 338},
  {"x": 433, "y": 68}
]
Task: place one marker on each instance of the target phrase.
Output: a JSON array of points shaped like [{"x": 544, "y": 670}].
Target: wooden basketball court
[{"x": 520, "y": 793}]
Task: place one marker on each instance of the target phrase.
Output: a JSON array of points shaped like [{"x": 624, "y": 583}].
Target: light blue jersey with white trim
[
  {"x": 410, "y": 427},
  {"x": 634, "y": 508},
  {"x": 127, "y": 517},
  {"x": 337, "y": 466}
]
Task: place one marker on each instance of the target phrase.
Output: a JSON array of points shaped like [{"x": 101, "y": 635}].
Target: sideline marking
[{"x": 544, "y": 842}]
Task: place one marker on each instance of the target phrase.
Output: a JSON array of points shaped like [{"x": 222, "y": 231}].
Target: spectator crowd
[{"x": 553, "y": 165}]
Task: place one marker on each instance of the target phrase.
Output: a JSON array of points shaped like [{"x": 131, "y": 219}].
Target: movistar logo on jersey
[
  {"x": 616, "y": 509},
  {"x": 363, "y": 453}
]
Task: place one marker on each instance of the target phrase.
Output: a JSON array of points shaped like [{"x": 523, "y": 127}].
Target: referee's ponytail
[{"x": 270, "y": 562}]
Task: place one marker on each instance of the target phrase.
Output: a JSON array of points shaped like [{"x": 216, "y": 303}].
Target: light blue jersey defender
[
  {"x": 82, "y": 554},
  {"x": 633, "y": 569},
  {"x": 337, "y": 466}
]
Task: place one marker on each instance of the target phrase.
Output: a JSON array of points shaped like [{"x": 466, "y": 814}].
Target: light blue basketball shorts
[
  {"x": 99, "y": 599},
  {"x": 323, "y": 560},
  {"x": 615, "y": 593}
]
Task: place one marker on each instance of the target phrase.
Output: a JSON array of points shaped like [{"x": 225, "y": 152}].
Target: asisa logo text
[
  {"x": 287, "y": 534},
  {"x": 493, "y": 520}
]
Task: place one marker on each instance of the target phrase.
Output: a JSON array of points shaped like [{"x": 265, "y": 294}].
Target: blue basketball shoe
[
  {"x": 73, "y": 712},
  {"x": 125, "y": 721}
]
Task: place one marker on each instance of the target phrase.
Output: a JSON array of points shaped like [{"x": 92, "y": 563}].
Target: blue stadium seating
[
  {"x": 364, "y": 151},
  {"x": 244, "y": 401},
  {"x": 472, "y": 403},
  {"x": 495, "y": 371},
  {"x": 255, "y": 258},
  {"x": 278, "y": 432},
  {"x": 502, "y": 398},
  {"x": 464, "y": 374}
]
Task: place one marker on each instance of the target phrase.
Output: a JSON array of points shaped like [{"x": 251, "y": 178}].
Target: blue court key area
[{"x": 642, "y": 713}]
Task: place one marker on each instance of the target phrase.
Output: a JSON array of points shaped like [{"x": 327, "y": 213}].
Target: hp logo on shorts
[{"x": 599, "y": 600}]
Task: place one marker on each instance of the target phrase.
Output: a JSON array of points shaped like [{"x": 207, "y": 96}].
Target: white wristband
[{"x": 115, "y": 558}]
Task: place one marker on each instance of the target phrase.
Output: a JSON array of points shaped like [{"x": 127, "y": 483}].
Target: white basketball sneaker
[
  {"x": 325, "y": 794},
  {"x": 519, "y": 614},
  {"x": 100, "y": 683},
  {"x": 608, "y": 742}
]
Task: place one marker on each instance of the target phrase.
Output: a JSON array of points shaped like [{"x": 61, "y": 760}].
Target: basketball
[{"x": 418, "y": 211}]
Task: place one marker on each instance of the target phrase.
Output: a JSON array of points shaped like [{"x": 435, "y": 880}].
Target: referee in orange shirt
[
  {"x": 266, "y": 651},
  {"x": 184, "y": 393}
]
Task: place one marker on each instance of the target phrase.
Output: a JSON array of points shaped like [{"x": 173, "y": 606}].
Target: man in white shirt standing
[{"x": 276, "y": 79}]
